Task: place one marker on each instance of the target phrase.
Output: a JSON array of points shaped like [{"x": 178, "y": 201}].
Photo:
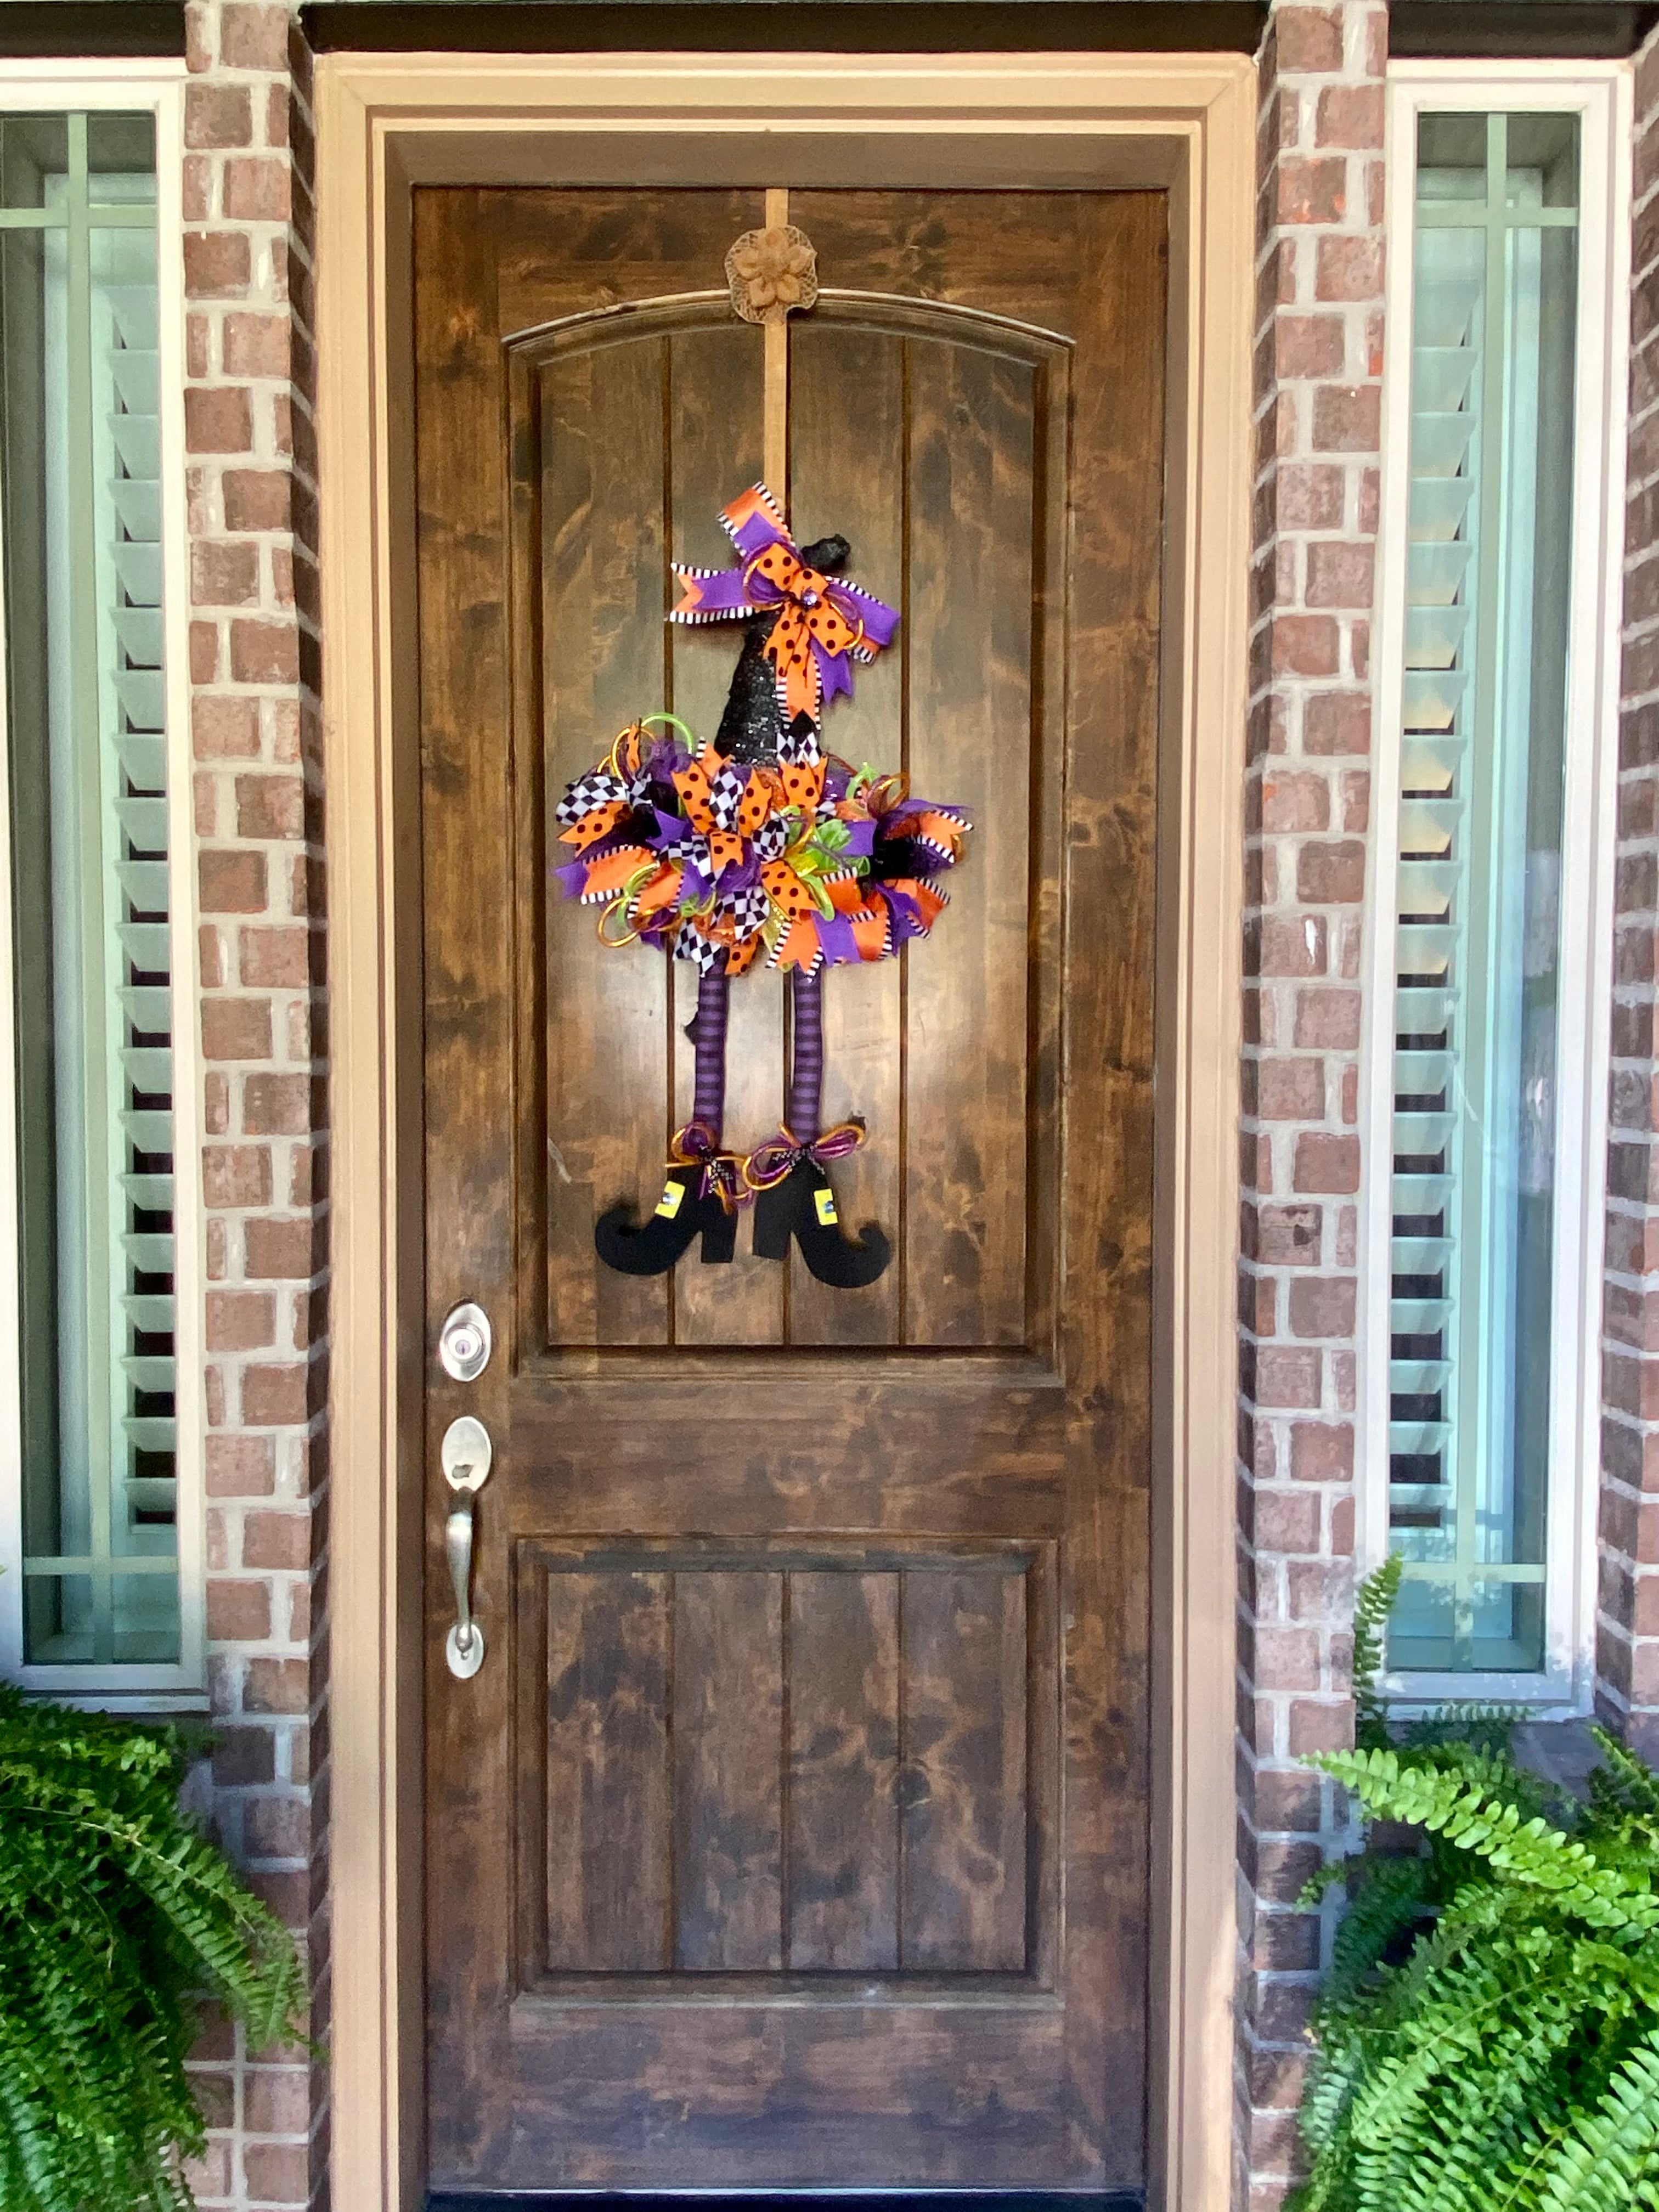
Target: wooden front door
[{"x": 793, "y": 1831}]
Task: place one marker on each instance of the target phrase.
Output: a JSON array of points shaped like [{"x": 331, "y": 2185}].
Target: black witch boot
[
  {"x": 801, "y": 1204},
  {"x": 794, "y": 1197},
  {"x": 704, "y": 1186},
  {"x": 699, "y": 1198}
]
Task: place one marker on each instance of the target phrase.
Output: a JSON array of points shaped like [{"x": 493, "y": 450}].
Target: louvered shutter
[
  {"x": 141, "y": 958},
  {"x": 1435, "y": 844}
]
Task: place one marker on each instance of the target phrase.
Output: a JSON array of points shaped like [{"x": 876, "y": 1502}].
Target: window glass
[
  {"x": 86, "y": 820},
  {"x": 1477, "y": 970}
]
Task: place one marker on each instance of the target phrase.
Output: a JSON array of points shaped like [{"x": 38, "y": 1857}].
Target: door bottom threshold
[{"x": 747, "y": 2200}]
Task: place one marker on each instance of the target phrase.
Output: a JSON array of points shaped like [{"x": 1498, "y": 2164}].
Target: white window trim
[
  {"x": 1601, "y": 95},
  {"x": 128, "y": 88}
]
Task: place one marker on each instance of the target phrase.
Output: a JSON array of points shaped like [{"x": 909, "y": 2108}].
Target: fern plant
[
  {"x": 115, "y": 1917},
  {"x": 1488, "y": 2036}
]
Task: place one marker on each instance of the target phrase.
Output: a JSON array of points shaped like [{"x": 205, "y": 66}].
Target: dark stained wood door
[{"x": 794, "y": 1831}]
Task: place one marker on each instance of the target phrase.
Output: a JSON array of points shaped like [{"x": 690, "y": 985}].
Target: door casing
[{"x": 1183, "y": 122}]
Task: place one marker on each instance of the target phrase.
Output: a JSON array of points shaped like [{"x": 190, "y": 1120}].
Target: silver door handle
[
  {"x": 465, "y": 1457},
  {"x": 464, "y": 1646}
]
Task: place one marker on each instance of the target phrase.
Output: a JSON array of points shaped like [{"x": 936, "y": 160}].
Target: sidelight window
[
  {"x": 101, "y": 1432},
  {"x": 1491, "y": 974}
]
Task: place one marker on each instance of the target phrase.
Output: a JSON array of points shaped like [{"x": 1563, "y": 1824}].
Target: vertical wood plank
[
  {"x": 715, "y": 411},
  {"x": 963, "y": 1789},
  {"x": 728, "y": 1770},
  {"x": 843, "y": 1662},
  {"x": 608, "y": 1815},
  {"x": 603, "y": 664},
  {"x": 461, "y": 531},
  {"x": 847, "y": 475},
  {"x": 970, "y": 742}
]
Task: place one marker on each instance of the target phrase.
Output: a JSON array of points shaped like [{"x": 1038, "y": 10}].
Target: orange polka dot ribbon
[{"x": 823, "y": 623}]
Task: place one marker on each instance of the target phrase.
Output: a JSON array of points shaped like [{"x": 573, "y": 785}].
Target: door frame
[{"x": 1182, "y": 123}]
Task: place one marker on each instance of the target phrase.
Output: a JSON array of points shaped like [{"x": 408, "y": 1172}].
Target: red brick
[
  {"x": 1311, "y": 495},
  {"x": 265, "y": 653},
  {"x": 282, "y": 1250},
  {"x": 1323, "y": 1306},
  {"x": 256, "y": 499},
  {"x": 1321, "y": 1451},
  {"x": 223, "y": 576},
  {"x": 276, "y": 1828},
  {"x": 277, "y": 1397},
  {"x": 1283, "y": 1658},
  {"x": 1350, "y": 115},
  {"x": 1309, "y": 346},
  {"x": 1339, "y": 575},
  {"x": 1331, "y": 872},
  {"x": 1290, "y": 1236},
  {"x": 276, "y": 2100},
  {"x": 256, "y": 345},
  {"x": 270, "y": 806},
  {"x": 1312, "y": 191},
  {"x": 274, "y": 956},
  {"x": 1326, "y": 1164},
  {"x": 1328, "y": 1020},
  {"x": 236, "y": 1175},
  {"x": 236, "y": 1029},
  {"x": 240, "y": 1320},
  {"x": 1308, "y": 39},
  {"x": 231, "y": 883},
  {"x": 1290, "y": 945},
  {"x": 277, "y": 2173},
  {"x": 253, "y": 38},
  {"x": 209, "y": 2175},
  {"x": 276, "y": 1105},
  {"x": 1286, "y": 1376},
  {"x": 217, "y": 265},
  {"x": 1305, "y": 645},
  {"x": 224, "y": 729},
  {"x": 1284, "y": 1521},
  {"x": 218, "y": 115},
  {"x": 1295, "y": 799},
  {"x": 210, "y": 947},
  {"x": 277, "y": 1540},
  {"x": 256, "y": 189},
  {"x": 1337, "y": 722},
  {"x": 240, "y": 1467},
  {"x": 1289, "y": 1090},
  {"x": 1347, "y": 418},
  {"x": 238, "y": 1612},
  {"x": 217, "y": 419}
]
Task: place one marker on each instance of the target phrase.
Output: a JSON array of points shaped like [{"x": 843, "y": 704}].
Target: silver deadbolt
[
  {"x": 464, "y": 1343},
  {"x": 464, "y": 1455}
]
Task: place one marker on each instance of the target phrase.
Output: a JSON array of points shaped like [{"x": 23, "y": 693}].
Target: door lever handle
[
  {"x": 465, "y": 1457},
  {"x": 464, "y": 1646}
]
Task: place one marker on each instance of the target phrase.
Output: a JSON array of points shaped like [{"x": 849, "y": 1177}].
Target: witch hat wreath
[{"x": 759, "y": 841}]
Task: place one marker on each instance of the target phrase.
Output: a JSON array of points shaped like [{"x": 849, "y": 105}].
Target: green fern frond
[
  {"x": 1373, "y": 1603},
  {"x": 1614, "y": 2149},
  {"x": 1474, "y": 1817},
  {"x": 1487, "y": 2039},
  {"x": 115, "y": 1917}
]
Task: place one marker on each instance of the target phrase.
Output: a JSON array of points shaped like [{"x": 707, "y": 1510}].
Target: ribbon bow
[
  {"x": 823, "y": 621},
  {"x": 769, "y": 1164},
  {"x": 723, "y": 1173}
]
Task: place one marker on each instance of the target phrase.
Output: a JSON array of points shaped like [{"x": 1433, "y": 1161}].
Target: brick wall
[
  {"x": 1627, "y": 1642},
  {"x": 1318, "y": 369},
  {"x": 254, "y": 654},
  {"x": 254, "y": 647}
]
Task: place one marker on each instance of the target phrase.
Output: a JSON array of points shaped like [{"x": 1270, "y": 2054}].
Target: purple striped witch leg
[
  {"x": 806, "y": 1056},
  {"x": 706, "y": 1031}
]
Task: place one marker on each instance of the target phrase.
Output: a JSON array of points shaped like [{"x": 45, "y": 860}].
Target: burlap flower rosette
[{"x": 772, "y": 274}]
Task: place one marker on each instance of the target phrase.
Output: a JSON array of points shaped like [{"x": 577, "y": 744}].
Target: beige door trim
[{"x": 387, "y": 123}]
